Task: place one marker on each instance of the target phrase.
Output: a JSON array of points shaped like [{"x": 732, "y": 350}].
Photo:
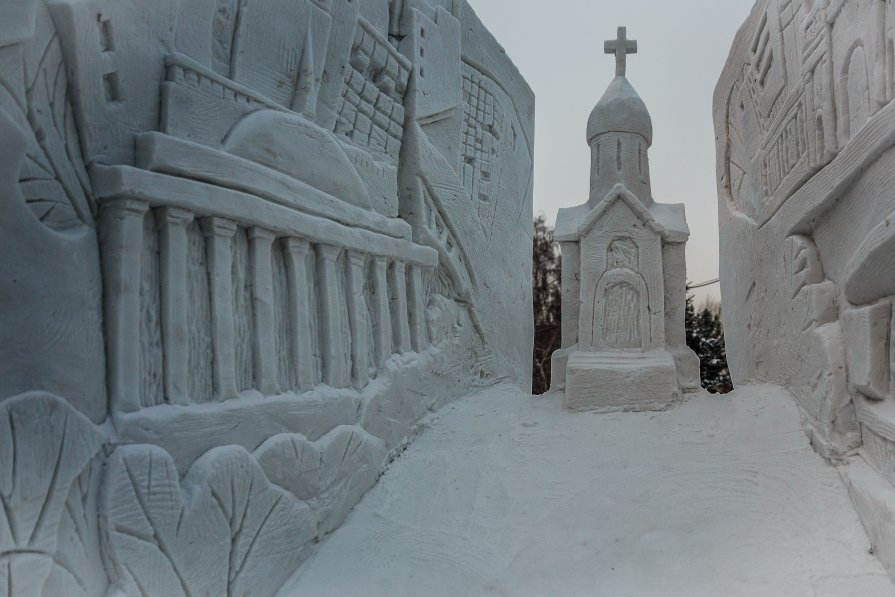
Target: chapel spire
[{"x": 620, "y": 132}]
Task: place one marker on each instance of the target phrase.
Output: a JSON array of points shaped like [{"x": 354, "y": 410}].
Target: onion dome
[{"x": 620, "y": 110}]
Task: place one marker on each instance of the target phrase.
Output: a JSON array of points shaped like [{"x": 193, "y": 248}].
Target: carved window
[
  {"x": 858, "y": 92},
  {"x": 106, "y": 39},
  {"x": 640, "y": 157}
]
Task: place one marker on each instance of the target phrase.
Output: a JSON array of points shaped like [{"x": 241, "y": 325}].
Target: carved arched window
[{"x": 857, "y": 93}]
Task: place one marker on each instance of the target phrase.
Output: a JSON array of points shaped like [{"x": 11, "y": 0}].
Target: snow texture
[
  {"x": 508, "y": 495},
  {"x": 805, "y": 125}
]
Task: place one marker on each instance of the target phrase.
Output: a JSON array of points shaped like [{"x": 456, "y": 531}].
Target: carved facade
[
  {"x": 251, "y": 244},
  {"x": 805, "y": 129}
]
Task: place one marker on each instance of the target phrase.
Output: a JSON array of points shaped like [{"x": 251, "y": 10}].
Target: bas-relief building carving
[
  {"x": 248, "y": 245},
  {"x": 805, "y": 125},
  {"x": 623, "y": 270}
]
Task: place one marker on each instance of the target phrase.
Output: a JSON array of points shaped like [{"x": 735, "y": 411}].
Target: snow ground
[{"x": 504, "y": 494}]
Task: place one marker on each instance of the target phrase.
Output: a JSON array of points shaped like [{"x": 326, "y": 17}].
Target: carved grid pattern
[
  {"x": 484, "y": 121},
  {"x": 371, "y": 111}
]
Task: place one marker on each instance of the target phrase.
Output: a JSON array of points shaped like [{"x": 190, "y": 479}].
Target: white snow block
[
  {"x": 616, "y": 381},
  {"x": 874, "y": 499},
  {"x": 866, "y": 333},
  {"x": 688, "y": 369},
  {"x": 559, "y": 363}
]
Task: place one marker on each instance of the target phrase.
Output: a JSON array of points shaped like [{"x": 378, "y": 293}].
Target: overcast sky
[{"x": 683, "y": 44}]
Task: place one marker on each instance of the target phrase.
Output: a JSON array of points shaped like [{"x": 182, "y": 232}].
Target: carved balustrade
[{"x": 210, "y": 298}]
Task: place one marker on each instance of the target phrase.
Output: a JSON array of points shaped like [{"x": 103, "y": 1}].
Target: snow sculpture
[
  {"x": 248, "y": 245},
  {"x": 624, "y": 270},
  {"x": 805, "y": 126}
]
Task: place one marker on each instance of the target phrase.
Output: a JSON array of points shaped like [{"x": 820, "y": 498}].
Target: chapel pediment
[{"x": 622, "y": 197}]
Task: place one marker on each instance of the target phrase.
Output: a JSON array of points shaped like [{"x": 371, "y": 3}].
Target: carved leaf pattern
[
  {"x": 35, "y": 94},
  {"x": 150, "y": 547},
  {"x": 79, "y": 570},
  {"x": 332, "y": 473},
  {"x": 226, "y": 530},
  {"x": 46, "y": 448},
  {"x": 53, "y": 179}
]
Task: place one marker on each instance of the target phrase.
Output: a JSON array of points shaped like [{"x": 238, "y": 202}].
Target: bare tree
[{"x": 547, "y": 303}]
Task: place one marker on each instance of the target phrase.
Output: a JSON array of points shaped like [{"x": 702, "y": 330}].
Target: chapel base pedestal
[
  {"x": 620, "y": 381},
  {"x": 559, "y": 363},
  {"x": 688, "y": 369}
]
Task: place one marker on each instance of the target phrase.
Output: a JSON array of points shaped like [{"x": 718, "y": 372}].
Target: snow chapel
[{"x": 623, "y": 269}]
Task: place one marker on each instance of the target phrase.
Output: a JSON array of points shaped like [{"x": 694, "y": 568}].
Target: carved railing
[{"x": 212, "y": 292}]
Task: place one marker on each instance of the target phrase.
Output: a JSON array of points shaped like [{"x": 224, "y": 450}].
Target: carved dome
[
  {"x": 620, "y": 110},
  {"x": 288, "y": 143}
]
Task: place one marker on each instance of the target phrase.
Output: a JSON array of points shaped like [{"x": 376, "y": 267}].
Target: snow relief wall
[
  {"x": 805, "y": 124},
  {"x": 247, "y": 245}
]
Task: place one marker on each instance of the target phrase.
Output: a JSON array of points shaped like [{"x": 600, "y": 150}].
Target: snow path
[{"x": 508, "y": 495}]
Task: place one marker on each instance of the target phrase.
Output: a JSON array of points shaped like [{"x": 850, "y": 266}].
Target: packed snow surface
[{"x": 504, "y": 494}]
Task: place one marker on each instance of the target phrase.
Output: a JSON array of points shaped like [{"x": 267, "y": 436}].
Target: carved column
[
  {"x": 299, "y": 315},
  {"x": 265, "y": 344},
  {"x": 358, "y": 319},
  {"x": 418, "y": 338},
  {"x": 397, "y": 281},
  {"x": 382, "y": 330},
  {"x": 122, "y": 246},
  {"x": 330, "y": 302},
  {"x": 172, "y": 225},
  {"x": 219, "y": 247}
]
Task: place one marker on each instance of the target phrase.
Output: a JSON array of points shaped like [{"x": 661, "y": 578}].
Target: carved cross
[{"x": 621, "y": 47}]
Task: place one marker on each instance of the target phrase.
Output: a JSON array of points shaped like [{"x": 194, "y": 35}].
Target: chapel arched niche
[{"x": 621, "y": 301}]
